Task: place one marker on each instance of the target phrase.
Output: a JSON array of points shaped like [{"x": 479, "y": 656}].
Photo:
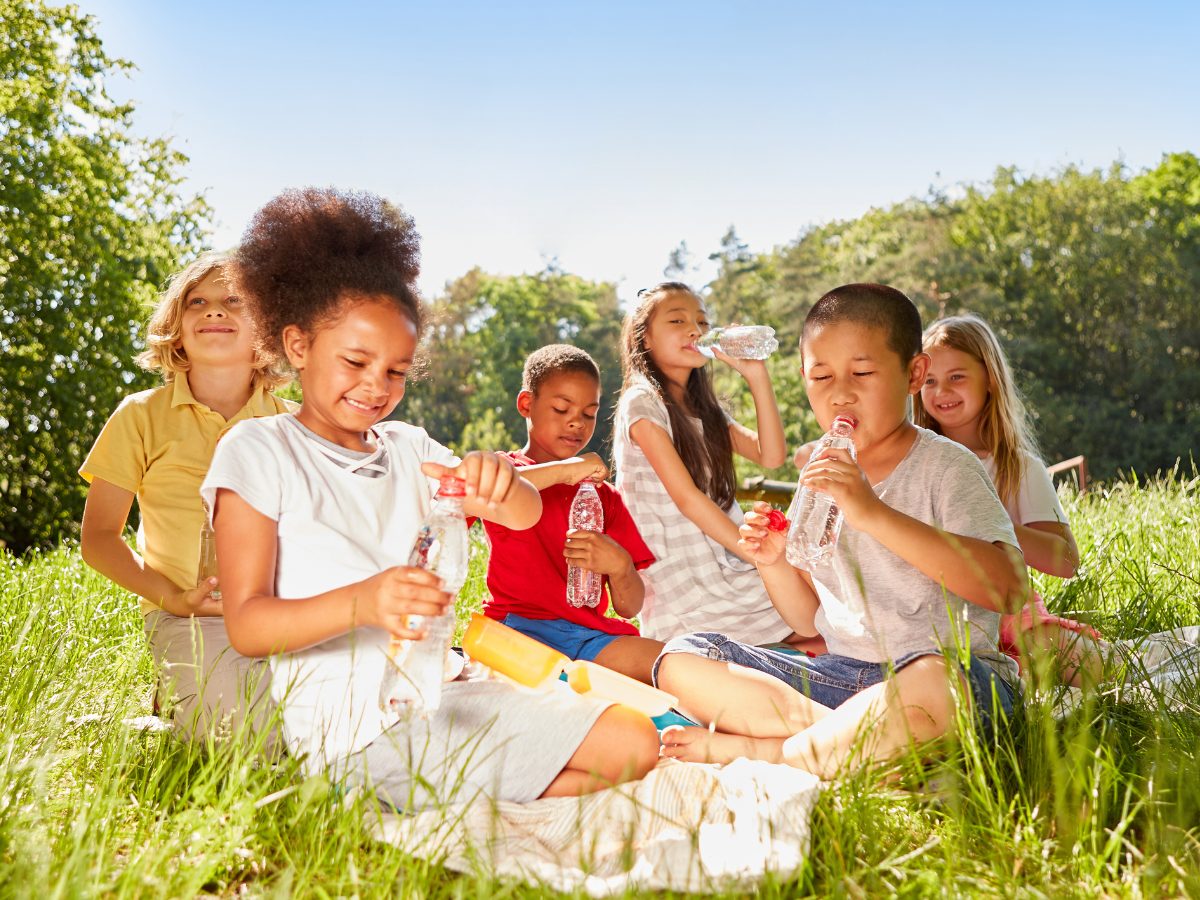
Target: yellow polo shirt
[{"x": 158, "y": 445}]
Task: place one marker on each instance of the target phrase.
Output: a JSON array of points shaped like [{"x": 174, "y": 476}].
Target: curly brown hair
[{"x": 309, "y": 250}]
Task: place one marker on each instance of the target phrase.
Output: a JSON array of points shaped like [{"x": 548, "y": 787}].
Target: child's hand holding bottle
[
  {"x": 763, "y": 532},
  {"x": 488, "y": 476},
  {"x": 588, "y": 467},
  {"x": 387, "y": 600}
]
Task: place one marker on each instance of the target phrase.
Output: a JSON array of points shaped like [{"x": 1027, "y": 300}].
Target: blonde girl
[
  {"x": 969, "y": 396},
  {"x": 674, "y": 447},
  {"x": 156, "y": 447}
]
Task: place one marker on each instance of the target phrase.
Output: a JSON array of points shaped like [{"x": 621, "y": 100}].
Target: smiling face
[
  {"x": 353, "y": 370},
  {"x": 213, "y": 330},
  {"x": 562, "y": 415},
  {"x": 955, "y": 393},
  {"x": 677, "y": 321},
  {"x": 849, "y": 369}
]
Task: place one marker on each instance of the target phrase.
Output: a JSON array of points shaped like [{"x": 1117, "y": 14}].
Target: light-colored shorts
[
  {"x": 206, "y": 686},
  {"x": 487, "y": 737}
]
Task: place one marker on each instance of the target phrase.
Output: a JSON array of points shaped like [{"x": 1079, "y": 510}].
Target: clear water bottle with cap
[
  {"x": 412, "y": 681},
  {"x": 817, "y": 520},
  {"x": 740, "y": 341},
  {"x": 587, "y": 513}
]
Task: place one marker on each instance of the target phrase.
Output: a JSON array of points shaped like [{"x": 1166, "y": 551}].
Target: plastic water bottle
[
  {"x": 412, "y": 682},
  {"x": 818, "y": 520},
  {"x": 740, "y": 341},
  {"x": 208, "y": 557},
  {"x": 587, "y": 513}
]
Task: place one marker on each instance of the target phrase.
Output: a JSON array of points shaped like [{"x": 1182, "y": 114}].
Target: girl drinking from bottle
[
  {"x": 156, "y": 447},
  {"x": 969, "y": 396},
  {"x": 316, "y": 513},
  {"x": 673, "y": 447}
]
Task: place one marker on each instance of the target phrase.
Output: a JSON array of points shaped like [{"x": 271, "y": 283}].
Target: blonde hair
[
  {"x": 1004, "y": 426},
  {"x": 164, "y": 347}
]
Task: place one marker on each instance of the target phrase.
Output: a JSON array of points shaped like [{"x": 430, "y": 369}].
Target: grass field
[{"x": 1106, "y": 801}]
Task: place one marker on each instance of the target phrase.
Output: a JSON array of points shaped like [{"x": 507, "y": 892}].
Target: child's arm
[
  {"x": 766, "y": 446},
  {"x": 494, "y": 490},
  {"x": 991, "y": 575},
  {"x": 1049, "y": 547},
  {"x": 693, "y": 503},
  {"x": 790, "y": 590},
  {"x": 565, "y": 471},
  {"x": 103, "y": 547},
  {"x": 598, "y": 552},
  {"x": 260, "y": 623}
]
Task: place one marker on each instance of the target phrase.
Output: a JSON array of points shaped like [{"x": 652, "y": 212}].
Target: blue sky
[{"x": 604, "y": 134}]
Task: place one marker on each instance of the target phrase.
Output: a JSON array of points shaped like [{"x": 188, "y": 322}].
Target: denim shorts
[
  {"x": 571, "y": 640},
  {"x": 831, "y": 680}
]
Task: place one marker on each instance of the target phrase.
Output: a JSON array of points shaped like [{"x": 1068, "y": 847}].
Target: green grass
[{"x": 1103, "y": 802}]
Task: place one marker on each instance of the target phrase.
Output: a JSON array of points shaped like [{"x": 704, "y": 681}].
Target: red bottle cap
[
  {"x": 452, "y": 486},
  {"x": 776, "y": 521}
]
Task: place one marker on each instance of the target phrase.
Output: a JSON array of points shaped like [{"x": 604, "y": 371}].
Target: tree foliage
[
  {"x": 91, "y": 223},
  {"x": 482, "y": 329},
  {"x": 1091, "y": 279}
]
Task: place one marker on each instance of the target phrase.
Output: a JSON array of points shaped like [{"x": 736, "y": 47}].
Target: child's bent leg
[
  {"x": 632, "y": 656},
  {"x": 915, "y": 705},
  {"x": 713, "y": 689},
  {"x": 621, "y": 746}
]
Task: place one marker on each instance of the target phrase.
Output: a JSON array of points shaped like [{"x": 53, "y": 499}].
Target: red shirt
[{"x": 527, "y": 572}]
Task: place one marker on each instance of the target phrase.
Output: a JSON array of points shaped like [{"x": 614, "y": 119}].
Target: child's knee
[
  {"x": 925, "y": 697},
  {"x": 638, "y": 740}
]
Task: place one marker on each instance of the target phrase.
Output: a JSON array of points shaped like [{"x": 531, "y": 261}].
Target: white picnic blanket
[{"x": 684, "y": 827}]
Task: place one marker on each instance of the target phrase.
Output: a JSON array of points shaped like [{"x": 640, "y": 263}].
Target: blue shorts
[
  {"x": 831, "y": 680},
  {"x": 571, "y": 640}
]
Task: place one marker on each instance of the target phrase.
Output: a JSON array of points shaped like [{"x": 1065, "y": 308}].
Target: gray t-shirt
[{"x": 877, "y": 607}]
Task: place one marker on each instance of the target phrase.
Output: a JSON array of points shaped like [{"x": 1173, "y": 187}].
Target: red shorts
[{"x": 1035, "y": 612}]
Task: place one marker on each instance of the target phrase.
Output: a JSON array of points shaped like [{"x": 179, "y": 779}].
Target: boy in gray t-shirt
[{"x": 927, "y": 560}]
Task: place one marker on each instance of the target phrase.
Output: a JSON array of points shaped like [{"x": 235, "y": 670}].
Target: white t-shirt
[
  {"x": 335, "y": 527},
  {"x": 877, "y": 607},
  {"x": 1036, "y": 500}
]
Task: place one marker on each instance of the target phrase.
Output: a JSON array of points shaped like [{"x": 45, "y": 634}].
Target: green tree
[
  {"x": 482, "y": 329},
  {"x": 91, "y": 223}
]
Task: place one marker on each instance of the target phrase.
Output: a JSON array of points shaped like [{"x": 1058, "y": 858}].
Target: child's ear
[
  {"x": 917, "y": 370},
  {"x": 295, "y": 345},
  {"x": 525, "y": 404}
]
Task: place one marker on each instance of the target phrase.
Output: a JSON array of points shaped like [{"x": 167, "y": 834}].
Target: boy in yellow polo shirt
[{"x": 157, "y": 447}]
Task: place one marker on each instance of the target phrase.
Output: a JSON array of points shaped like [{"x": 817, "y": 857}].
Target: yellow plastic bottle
[{"x": 531, "y": 663}]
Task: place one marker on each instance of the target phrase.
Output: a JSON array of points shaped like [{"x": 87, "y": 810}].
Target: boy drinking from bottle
[
  {"x": 926, "y": 562},
  {"x": 528, "y": 570}
]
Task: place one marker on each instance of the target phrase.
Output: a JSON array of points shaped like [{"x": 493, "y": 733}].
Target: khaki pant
[{"x": 207, "y": 687}]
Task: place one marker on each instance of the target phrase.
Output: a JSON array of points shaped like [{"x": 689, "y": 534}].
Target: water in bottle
[
  {"x": 208, "y": 557},
  {"x": 412, "y": 681},
  {"x": 740, "y": 341},
  {"x": 817, "y": 521},
  {"x": 587, "y": 513}
]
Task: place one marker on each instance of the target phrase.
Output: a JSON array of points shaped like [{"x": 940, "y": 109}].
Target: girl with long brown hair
[{"x": 674, "y": 446}]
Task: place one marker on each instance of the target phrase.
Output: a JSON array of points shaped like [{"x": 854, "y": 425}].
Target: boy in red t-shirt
[{"x": 527, "y": 570}]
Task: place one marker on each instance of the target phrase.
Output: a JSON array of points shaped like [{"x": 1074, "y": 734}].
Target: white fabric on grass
[{"x": 684, "y": 827}]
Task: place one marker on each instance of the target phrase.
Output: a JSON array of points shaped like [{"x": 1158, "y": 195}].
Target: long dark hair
[{"x": 708, "y": 457}]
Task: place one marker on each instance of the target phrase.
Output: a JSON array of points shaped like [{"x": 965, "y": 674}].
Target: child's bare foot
[{"x": 693, "y": 743}]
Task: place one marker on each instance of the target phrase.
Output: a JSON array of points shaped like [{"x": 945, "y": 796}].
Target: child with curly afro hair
[{"x": 315, "y": 514}]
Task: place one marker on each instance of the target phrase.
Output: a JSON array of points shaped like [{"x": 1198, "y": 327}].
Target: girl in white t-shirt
[
  {"x": 969, "y": 396},
  {"x": 315, "y": 515},
  {"x": 673, "y": 445}
]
